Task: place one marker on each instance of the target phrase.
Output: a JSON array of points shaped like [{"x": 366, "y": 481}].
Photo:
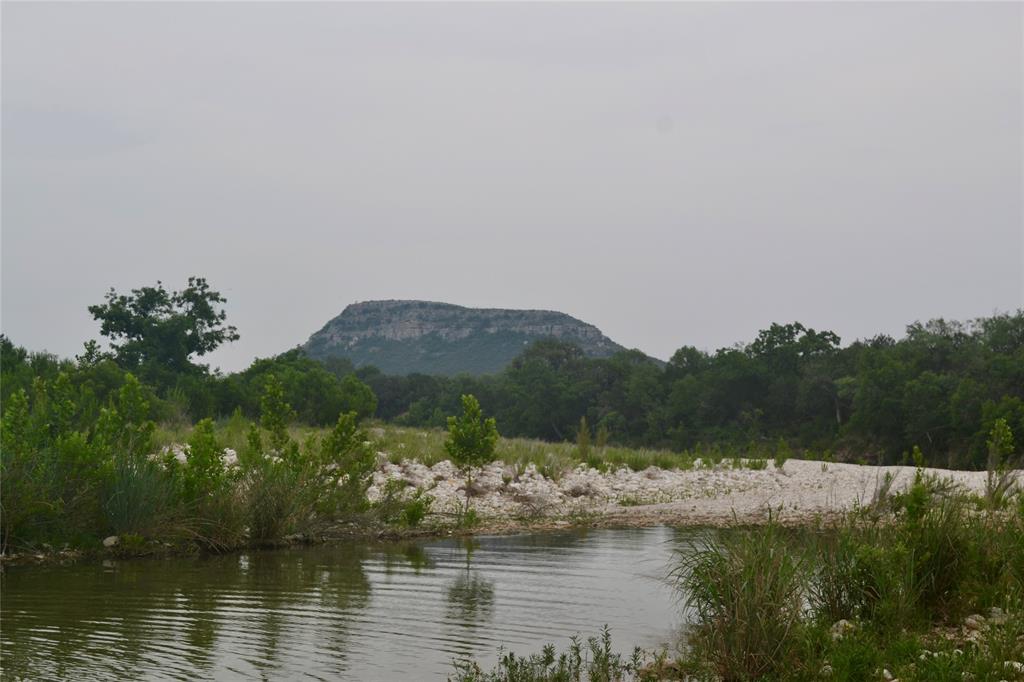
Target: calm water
[{"x": 356, "y": 611}]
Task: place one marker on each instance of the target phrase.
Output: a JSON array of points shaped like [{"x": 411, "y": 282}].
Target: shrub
[
  {"x": 746, "y": 589},
  {"x": 416, "y": 509},
  {"x": 471, "y": 440},
  {"x": 1000, "y": 479}
]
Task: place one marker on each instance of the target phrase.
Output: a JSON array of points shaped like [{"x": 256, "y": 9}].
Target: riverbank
[
  {"x": 797, "y": 491},
  {"x": 510, "y": 498}
]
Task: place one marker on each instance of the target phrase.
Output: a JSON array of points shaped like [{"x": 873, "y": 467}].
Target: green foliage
[
  {"x": 1000, "y": 480},
  {"x": 316, "y": 394},
  {"x": 70, "y": 470},
  {"x": 470, "y": 443},
  {"x": 745, "y": 588},
  {"x": 782, "y": 453},
  {"x": 943, "y": 386},
  {"x": 58, "y": 481},
  {"x": 595, "y": 662},
  {"x": 583, "y": 439},
  {"x": 846, "y": 602},
  {"x": 471, "y": 437},
  {"x": 203, "y": 474},
  {"x": 416, "y": 509},
  {"x": 156, "y": 331},
  {"x": 350, "y": 461},
  {"x": 275, "y": 416}
]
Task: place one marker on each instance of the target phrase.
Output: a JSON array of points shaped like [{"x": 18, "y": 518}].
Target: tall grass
[
  {"x": 745, "y": 588},
  {"x": 776, "y": 604}
]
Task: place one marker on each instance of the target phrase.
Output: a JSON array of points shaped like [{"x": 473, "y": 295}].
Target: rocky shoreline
[
  {"x": 799, "y": 491},
  {"x": 510, "y": 499}
]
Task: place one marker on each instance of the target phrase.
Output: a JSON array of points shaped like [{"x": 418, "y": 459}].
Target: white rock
[
  {"x": 111, "y": 541},
  {"x": 974, "y": 622},
  {"x": 841, "y": 628}
]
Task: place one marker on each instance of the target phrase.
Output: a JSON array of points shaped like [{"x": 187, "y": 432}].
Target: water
[{"x": 353, "y": 611}]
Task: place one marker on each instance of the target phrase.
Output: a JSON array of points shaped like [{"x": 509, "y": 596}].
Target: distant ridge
[{"x": 402, "y": 337}]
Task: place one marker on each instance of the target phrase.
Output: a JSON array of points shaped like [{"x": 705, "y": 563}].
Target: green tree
[
  {"x": 346, "y": 454},
  {"x": 157, "y": 332},
  {"x": 203, "y": 474},
  {"x": 471, "y": 440},
  {"x": 275, "y": 416}
]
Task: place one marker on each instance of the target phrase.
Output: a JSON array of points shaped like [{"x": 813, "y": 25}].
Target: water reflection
[
  {"x": 353, "y": 611},
  {"x": 470, "y": 594}
]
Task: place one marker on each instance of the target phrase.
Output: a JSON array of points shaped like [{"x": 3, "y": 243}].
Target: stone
[
  {"x": 841, "y": 628},
  {"x": 974, "y": 622},
  {"x": 111, "y": 541}
]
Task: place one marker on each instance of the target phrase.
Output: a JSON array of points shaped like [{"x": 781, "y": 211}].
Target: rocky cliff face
[{"x": 401, "y": 337}]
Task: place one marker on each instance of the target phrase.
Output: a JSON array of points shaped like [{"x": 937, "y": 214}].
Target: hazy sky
[{"x": 675, "y": 174}]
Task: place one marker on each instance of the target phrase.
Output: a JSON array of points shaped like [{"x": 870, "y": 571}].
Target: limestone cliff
[{"x": 401, "y": 337}]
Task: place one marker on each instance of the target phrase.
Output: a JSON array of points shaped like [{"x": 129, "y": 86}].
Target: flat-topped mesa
[{"x": 401, "y": 337}]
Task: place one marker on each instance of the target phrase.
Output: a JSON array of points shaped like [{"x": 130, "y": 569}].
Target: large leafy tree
[{"x": 157, "y": 332}]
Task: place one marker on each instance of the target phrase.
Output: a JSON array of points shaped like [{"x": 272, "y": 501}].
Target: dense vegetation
[
  {"x": 941, "y": 387},
  {"x": 66, "y": 479}
]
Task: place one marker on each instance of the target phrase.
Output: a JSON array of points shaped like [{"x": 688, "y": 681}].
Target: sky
[{"x": 676, "y": 174}]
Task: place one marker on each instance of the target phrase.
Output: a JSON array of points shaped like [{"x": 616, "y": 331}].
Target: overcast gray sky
[{"x": 675, "y": 174}]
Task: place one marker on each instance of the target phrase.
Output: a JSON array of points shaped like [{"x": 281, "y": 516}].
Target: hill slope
[{"x": 401, "y": 337}]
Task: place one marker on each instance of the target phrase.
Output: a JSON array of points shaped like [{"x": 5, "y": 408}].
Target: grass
[
  {"x": 744, "y": 589},
  {"x": 594, "y": 660},
  {"x": 553, "y": 460},
  {"x": 883, "y": 591},
  {"x": 922, "y": 585}
]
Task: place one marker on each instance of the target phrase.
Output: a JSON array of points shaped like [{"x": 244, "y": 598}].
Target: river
[{"x": 351, "y": 610}]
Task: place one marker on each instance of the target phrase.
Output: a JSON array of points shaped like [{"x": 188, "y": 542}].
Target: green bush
[
  {"x": 416, "y": 509},
  {"x": 471, "y": 440},
  {"x": 745, "y": 588}
]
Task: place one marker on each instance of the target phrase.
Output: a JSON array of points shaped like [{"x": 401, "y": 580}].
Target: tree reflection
[
  {"x": 120, "y": 620},
  {"x": 470, "y": 595}
]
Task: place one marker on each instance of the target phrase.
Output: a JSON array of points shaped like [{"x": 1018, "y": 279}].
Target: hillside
[{"x": 401, "y": 337}]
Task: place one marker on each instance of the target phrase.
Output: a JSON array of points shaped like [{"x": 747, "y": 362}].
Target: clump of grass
[
  {"x": 1000, "y": 479},
  {"x": 782, "y": 453},
  {"x": 595, "y": 661},
  {"x": 745, "y": 588}
]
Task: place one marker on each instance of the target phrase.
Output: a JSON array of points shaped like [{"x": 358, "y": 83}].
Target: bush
[
  {"x": 746, "y": 589},
  {"x": 293, "y": 488},
  {"x": 416, "y": 509},
  {"x": 471, "y": 440}
]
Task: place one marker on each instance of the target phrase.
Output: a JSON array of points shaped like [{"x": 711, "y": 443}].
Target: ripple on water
[{"x": 350, "y": 611}]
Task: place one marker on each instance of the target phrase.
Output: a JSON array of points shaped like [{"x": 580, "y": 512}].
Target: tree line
[{"x": 941, "y": 387}]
